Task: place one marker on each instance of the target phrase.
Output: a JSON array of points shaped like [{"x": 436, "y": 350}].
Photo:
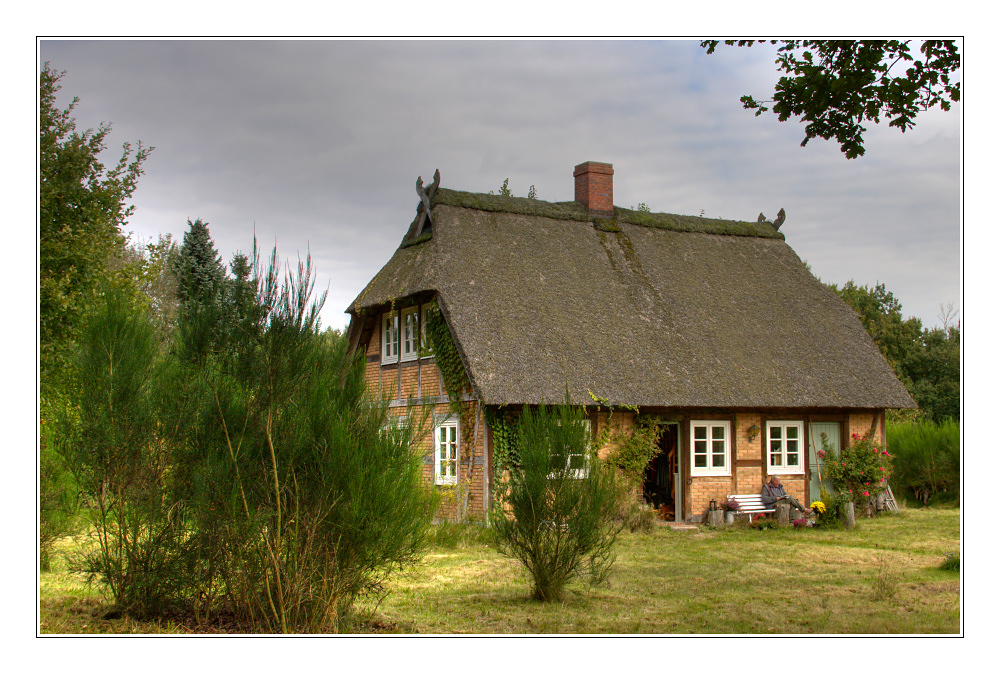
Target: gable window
[
  {"x": 784, "y": 447},
  {"x": 710, "y": 448},
  {"x": 446, "y": 451},
  {"x": 409, "y": 336},
  {"x": 390, "y": 337}
]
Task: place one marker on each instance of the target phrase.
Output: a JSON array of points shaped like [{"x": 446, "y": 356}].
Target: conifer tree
[{"x": 201, "y": 273}]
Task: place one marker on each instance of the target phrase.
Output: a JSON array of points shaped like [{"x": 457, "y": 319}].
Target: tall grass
[{"x": 927, "y": 460}]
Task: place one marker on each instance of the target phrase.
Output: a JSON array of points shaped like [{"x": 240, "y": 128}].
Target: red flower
[{"x": 864, "y": 493}]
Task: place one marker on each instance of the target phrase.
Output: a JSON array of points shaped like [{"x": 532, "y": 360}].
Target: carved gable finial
[
  {"x": 780, "y": 219},
  {"x": 423, "y": 219}
]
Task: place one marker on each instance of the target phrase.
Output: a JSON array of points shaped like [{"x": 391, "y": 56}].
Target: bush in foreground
[{"x": 557, "y": 512}]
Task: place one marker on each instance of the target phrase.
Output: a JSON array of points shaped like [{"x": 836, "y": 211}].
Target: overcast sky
[{"x": 316, "y": 145}]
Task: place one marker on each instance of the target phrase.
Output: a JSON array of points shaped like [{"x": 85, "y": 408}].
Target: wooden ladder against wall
[{"x": 890, "y": 500}]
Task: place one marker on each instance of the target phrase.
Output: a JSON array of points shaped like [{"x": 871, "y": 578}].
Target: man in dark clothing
[{"x": 773, "y": 493}]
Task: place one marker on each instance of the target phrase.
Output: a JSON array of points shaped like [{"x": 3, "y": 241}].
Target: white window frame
[
  {"x": 710, "y": 469},
  {"x": 783, "y": 468},
  {"x": 425, "y": 344},
  {"x": 389, "y": 329},
  {"x": 578, "y": 473},
  {"x": 581, "y": 473},
  {"x": 408, "y": 333},
  {"x": 452, "y": 447},
  {"x": 393, "y": 424}
]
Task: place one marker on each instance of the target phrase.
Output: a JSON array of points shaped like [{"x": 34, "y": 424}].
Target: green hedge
[{"x": 927, "y": 458}]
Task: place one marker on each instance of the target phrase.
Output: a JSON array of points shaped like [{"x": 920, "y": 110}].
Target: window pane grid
[
  {"x": 784, "y": 447},
  {"x": 446, "y": 456},
  {"x": 710, "y": 447}
]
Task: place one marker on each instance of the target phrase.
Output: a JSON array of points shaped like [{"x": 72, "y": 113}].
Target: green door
[{"x": 816, "y": 432}]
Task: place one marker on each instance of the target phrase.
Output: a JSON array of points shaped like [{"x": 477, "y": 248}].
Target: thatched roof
[{"x": 644, "y": 309}]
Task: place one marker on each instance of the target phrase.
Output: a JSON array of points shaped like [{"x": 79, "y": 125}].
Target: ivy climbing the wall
[
  {"x": 504, "y": 428},
  {"x": 446, "y": 357},
  {"x": 634, "y": 449}
]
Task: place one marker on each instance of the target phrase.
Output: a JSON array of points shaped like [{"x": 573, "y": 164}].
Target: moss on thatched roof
[
  {"x": 574, "y": 210},
  {"x": 653, "y": 310}
]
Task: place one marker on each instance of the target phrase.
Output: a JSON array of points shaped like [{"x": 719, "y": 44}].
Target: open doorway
[{"x": 660, "y": 485}]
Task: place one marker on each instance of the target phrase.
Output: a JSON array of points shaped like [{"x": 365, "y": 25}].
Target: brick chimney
[{"x": 594, "y": 187}]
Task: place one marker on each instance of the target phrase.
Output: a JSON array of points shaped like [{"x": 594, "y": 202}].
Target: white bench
[{"x": 750, "y": 505}]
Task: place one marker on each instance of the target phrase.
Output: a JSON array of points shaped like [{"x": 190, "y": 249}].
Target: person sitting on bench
[{"x": 773, "y": 493}]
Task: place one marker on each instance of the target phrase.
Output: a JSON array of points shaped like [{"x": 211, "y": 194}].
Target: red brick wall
[
  {"x": 861, "y": 423},
  {"x": 415, "y": 381}
]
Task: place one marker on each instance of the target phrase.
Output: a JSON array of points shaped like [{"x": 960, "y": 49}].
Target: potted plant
[{"x": 730, "y": 507}]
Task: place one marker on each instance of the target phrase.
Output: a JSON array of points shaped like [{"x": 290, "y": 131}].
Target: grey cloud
[{"x": 317, "y": 144}]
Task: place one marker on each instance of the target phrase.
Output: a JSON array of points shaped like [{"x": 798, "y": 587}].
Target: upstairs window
[
  {"x": 410, "y": 333},
  {"x": 425, "y": 342},
  {"x": 784, "y": 447},
  {"x": 710, "y": 448},
  {"x": 390, "y": 337}
]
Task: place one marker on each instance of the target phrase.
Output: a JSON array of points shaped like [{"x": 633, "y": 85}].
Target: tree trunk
[{"x": 715, "y": 518}]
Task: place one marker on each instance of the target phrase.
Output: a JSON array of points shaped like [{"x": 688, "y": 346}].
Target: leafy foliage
[
  {"x": 834, "y": 86},
  {"x": 503, "y": 425},
  {"x": 927, "y": 458},
  {"x": 81, "y": 213},
  {"x": 633, "y": 450},
  {"x": 556, "y": 512},
  {"x": 58, "y": 499},
  {"x": 882, "y": 316},
  {"x": 120, "y": 461},
  {"x": 303, "y": 500},
  {"x": 928, "y": 362},
  {"x": 247, "y": 469},
  {"x": 446, "y": 357},
  {"x": 860, "y": 470},
  {"x": 933, "y": 373}
]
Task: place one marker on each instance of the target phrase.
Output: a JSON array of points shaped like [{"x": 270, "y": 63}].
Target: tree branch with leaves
[{"x": 834, "y": 86}]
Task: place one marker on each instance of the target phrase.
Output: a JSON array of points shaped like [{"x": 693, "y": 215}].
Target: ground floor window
[
  {"x": 710, "y": 448},
  {"x": 784, "y": 447},
  {"x": 446, "y": 452}
]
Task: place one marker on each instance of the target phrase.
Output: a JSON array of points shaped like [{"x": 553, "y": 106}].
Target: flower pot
[{"x": 730, "y": 517}]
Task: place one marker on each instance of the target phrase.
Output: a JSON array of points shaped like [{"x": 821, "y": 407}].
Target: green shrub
[
  {"x": 558, "y": 511},
  {"x": 860, "y": 471},
  {"x": 638, "y": 516},
  {"x": 58, "y": 496},
  {"x": 928, "y": 460},
  {"x": 304, "y": 496},
  {"x": 120, "y": 461},
  {"x": 952, "y": 562}
]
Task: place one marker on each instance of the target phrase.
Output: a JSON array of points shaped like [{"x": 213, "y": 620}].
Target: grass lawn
[{"x": 881, "y": 578}]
